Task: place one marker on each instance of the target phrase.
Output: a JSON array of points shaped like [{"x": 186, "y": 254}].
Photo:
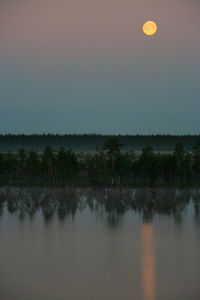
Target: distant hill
[{"x": 93, "y": 142}]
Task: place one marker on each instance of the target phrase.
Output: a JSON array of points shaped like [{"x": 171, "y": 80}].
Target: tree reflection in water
[
  {"x": 110, "y": 202},
  {"x": 196, "y": 203}
]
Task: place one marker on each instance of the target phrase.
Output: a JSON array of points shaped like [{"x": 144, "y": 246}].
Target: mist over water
[{"x": 89, "y": 243}]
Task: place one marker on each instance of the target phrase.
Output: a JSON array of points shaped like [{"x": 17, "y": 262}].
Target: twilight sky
[{"x": 76, "y": 66}]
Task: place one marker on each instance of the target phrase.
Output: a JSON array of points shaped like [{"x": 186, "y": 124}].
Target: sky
[{"x": 85, "y": 66}]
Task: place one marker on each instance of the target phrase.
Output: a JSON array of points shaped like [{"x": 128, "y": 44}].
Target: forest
[
  {"x": 109, "y": 166},
  {"x": 93, "y": 142}
]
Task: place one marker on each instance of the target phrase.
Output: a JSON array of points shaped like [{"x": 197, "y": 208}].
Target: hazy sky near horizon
[{"x": 74, "y": 66}]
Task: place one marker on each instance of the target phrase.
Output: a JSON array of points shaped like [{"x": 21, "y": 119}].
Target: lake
[{"x": 99, "y": 244}]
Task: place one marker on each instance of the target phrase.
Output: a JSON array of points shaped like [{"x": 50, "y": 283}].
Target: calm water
[{"x": 98, "y": 244}]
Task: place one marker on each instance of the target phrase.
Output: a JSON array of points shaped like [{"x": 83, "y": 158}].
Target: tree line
[
  {"x": 109, "y": 166},
  {"x": 92, "y": 142}
]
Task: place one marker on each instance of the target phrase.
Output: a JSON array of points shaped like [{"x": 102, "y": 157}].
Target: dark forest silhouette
[
  {"x": 92, "y": 142},
  {"x": 109, "y": 166}
]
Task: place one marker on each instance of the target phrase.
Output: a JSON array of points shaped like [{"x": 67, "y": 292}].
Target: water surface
[{"x": 102, "y": 244}]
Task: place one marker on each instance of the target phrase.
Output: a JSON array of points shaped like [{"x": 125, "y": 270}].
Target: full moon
[{"x": 150, "y": 28}]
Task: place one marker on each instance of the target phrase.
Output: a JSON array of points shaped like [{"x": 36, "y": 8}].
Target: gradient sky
[{"x": 76, "y": 66}]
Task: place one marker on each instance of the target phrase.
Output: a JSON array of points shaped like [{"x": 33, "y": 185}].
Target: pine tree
[
  {"x": 196, "y": 160},
  {"x": 112, "y": 146},
  {"x": 179, "y": 162}
]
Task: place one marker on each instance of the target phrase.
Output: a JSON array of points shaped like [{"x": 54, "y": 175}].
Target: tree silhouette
[
  {"x": 48, "y": 164},
  {"x": 113, "y": 148},
  {"x": 179, "y": 161},
  {"x": 196, "y": 160}
]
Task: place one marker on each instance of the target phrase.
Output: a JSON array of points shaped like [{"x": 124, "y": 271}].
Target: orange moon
[{"x": 150, "y": 28}]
